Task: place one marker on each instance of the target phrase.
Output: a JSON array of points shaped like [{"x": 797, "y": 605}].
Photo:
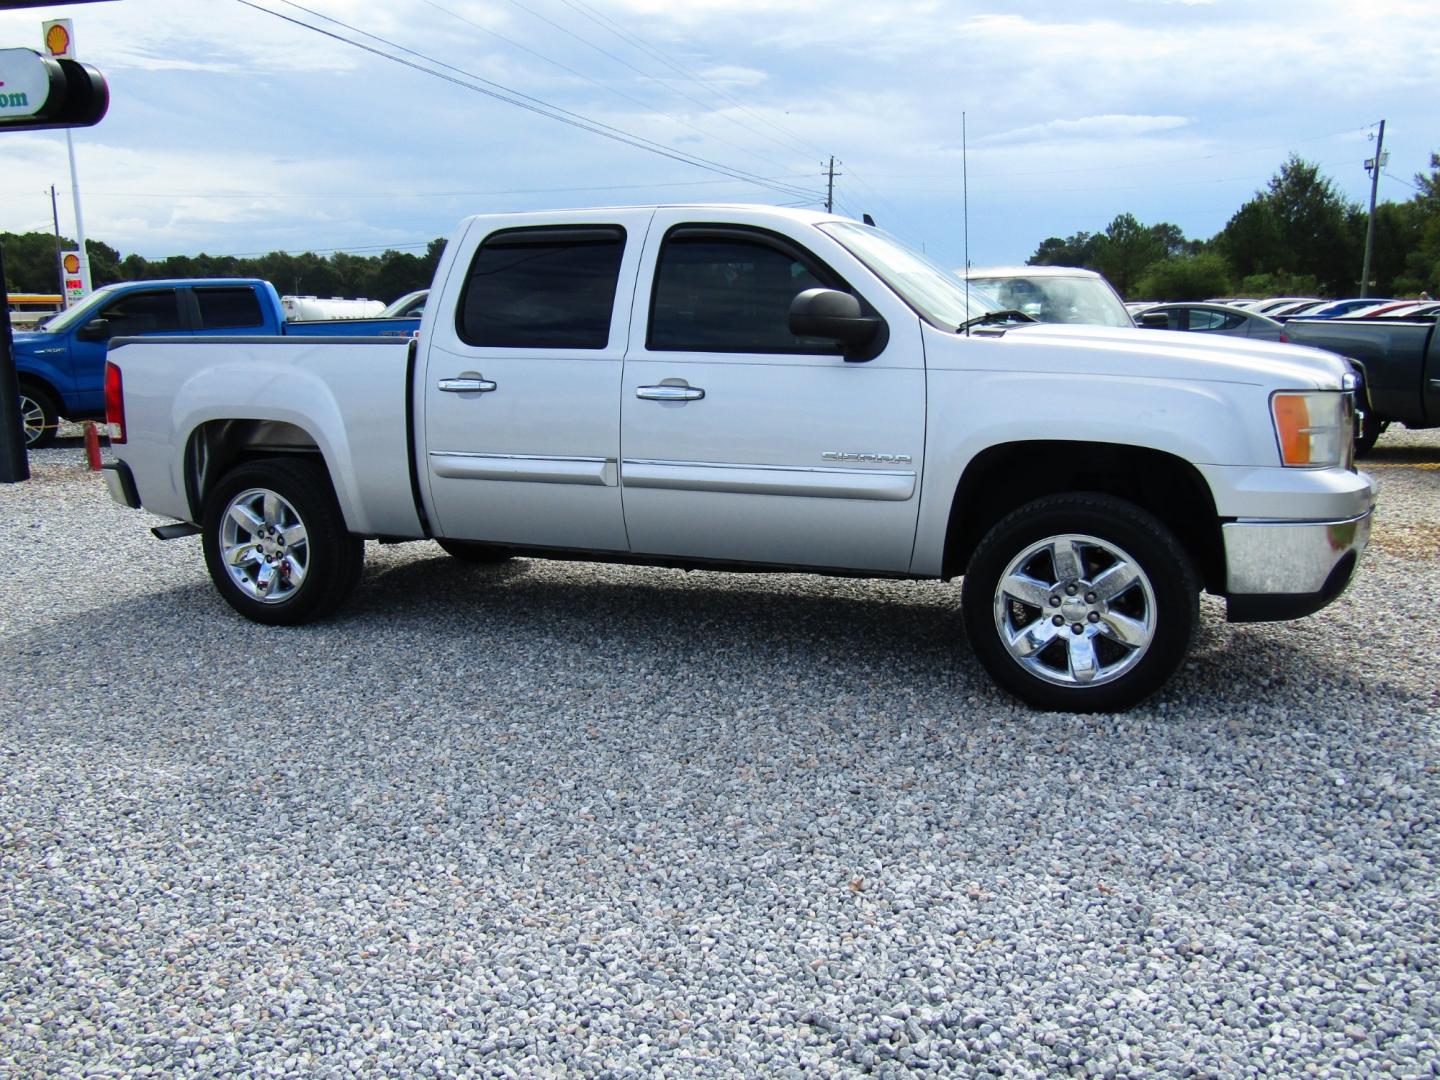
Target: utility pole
[
  {"x": 1374, "y": 165},
  {"x": 830, "y": 186},
  {"x": 59, "y": 267}
]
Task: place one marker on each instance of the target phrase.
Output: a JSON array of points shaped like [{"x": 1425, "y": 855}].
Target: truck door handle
[
  {"x": 466, "y": 386},
  {"x": 669, "y": 393}
]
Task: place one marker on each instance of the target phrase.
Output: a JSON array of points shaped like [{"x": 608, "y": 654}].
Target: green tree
[
  {"x": 1076, "y": 250},
  {"x": 1298, "y": 225},
  {"x": 1188, "y": 277},
  {"x": 1125, "y": 251}
]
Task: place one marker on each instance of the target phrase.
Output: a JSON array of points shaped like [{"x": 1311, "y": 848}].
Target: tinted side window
[
  {"x": 144, "y": 313},
  {"x": 228, "y": 307},
  {"x": 542, "y": 288},
  {"x": 718, "y": 294}
]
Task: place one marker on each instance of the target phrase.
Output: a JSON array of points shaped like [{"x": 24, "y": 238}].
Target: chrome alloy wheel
[
  {"x": 32, "y": 418},
  {"x": 264, "y": 546},
  {"x": 1075, "y": 610}
]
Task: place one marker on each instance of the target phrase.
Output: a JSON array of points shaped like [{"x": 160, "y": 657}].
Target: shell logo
[
  {"x": 57, "y": 40},
  {"x": 72, "y": 263}
]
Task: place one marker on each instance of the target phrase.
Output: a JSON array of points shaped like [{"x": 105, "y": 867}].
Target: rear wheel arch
[
  {"x": 1003, "y": 478},
  {"x": 217, "y": 447}
]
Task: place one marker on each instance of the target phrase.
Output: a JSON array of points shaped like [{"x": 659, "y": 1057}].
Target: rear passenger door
[{"x": 521, "y": 389}]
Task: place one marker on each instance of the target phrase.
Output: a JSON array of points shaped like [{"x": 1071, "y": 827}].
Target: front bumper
[{"x": 1286, "y": 569}]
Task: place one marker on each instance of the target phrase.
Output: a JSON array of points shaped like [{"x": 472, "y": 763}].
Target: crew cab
[
  {"x": 1400, "y": 361},
  {"x": 722, "y": 387},
  {"x": 61, "y": 364}
]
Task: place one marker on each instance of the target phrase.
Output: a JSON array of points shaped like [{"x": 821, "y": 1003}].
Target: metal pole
[
  {"x": 59, "y": 266},
  {"x": 79, "y": 220},
  {"x": 830, "y": 188},
  {"x": 1370, "y": 226},
  {"x": 14, "y": 464}
]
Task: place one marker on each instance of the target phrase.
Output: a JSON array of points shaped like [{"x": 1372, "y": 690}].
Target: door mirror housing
[
  {"x": 1155, "y": 320},
  {"x": 94, "y": 330},
  {"x": 830, "y": 313}
]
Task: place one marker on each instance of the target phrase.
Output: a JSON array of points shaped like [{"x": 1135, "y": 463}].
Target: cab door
[
  {"x": 520, "y": 396},
  {"x": 745, "y": 443},
  {"x": 142, "y": 312}
]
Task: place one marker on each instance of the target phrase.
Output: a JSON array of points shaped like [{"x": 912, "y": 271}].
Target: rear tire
[
  {"x": 275, "y": 542},
  {"x": 1080, "y": 603},
  {"x": 39, "y": 416}
]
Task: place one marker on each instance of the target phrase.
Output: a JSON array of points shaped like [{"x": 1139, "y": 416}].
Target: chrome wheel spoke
[
  {"x": 1084, "y": 664},
  {"x": 1026, "y": 589},
  {"x": 241, "y": 554},
  {"x": 293, "y": 571},
  {"x": 243, "y": 517},
  {"x": 294, "y": 536},
  {"x": 1125, "y": 630},
  {"x": 1029, "y": 640},
  {"x": 265, "y": 580},
  {"x": 1115, "y": 580},
  {"x": 1065, "y": 553},
  {"x": 271, "y": 508}
]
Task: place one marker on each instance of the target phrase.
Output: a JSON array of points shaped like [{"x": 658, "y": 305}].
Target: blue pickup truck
[{"x": 61, "y": 364}]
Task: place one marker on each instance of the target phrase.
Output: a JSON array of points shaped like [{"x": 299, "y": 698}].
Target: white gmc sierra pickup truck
[{"x": 749, "y": 387}]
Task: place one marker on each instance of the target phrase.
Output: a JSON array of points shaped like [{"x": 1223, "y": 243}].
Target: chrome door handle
[
  {"x": 669, "y": 393},
  {"x": 466, "y": 386}
]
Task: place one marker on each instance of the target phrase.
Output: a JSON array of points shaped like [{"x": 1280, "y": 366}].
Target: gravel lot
[{"x": 554, "y": 818}]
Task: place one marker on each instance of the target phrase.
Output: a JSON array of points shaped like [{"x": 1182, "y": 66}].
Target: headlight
[{"x": 1315, "y": 428}]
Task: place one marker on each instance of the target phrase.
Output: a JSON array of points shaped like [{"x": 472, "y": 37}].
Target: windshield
[
  {"x": 937, "y": 296},
  {"x": 80, "y": 313},
  {"x": 1053, "y": 299}
]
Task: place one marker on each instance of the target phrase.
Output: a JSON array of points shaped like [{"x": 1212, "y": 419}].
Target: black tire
[
  {"x": 329, "y": 558},
  {"x": 39, "y": 416},
  {"x": 1100, "y": 533},
  {"x": 471, "y": 552},
  {"x": 1368, "y": 429}
]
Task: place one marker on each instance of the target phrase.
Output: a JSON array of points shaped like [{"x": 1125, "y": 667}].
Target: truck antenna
[{"x": 965, "y": 211}]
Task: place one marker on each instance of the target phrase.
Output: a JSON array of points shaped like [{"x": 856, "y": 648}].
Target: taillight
[
  {"x": 1284, "y": 338},
  {"x": 114, "y": 403}
]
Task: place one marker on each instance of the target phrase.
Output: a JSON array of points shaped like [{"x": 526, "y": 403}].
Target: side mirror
[
  {"x": 1155, "y": 320},
  {"x": 94, "y": 330},
  {"x": 829, "y": 313}
]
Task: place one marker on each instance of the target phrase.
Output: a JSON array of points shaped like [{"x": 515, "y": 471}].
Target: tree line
[
  {"x": 30, "y": 266},
  {"x": 1297, "y": 236}
]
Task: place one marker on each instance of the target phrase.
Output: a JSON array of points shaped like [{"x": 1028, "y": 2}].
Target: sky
[{"x": 233, "y": 131}]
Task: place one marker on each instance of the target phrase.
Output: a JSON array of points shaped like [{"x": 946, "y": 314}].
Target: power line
[
  {"x": 606, "y": 23},
  {"x": 517, "y": 98},
  {"x": 404, "y": 194},
  {"x": 596, "y": 82}
]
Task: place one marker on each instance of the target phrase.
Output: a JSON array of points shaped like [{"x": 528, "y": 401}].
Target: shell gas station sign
[{"x": 74, "y": 281}]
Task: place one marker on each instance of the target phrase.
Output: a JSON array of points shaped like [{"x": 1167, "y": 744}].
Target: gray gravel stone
[{"x": 550, "y": 819}]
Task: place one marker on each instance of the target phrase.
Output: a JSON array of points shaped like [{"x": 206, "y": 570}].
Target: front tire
[
  {"x": 39, "y": 416},
  {"x": 275, "y": 542},
  {"x": 1080, "y": 603}
]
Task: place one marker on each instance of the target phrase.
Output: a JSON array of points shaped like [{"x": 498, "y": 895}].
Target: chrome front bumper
[{"x": 1287, "y": 569}]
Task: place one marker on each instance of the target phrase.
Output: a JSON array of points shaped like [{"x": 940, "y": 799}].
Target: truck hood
[{"x": 1163, "y": 354}]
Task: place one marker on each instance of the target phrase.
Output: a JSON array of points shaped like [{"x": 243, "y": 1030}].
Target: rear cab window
[
  {"x": 543, "y": 287},
  {"x": 228, "y": 307}
]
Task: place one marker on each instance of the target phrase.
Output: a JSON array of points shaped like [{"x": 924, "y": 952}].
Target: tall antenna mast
[{"x": 965, "y": 203}]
